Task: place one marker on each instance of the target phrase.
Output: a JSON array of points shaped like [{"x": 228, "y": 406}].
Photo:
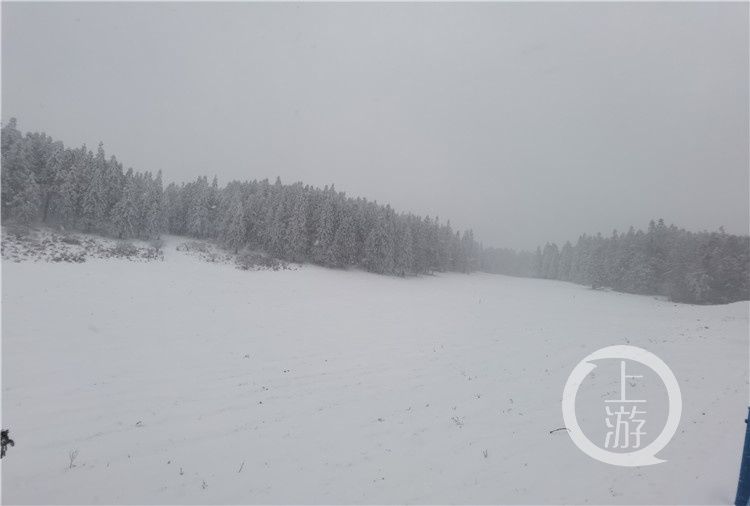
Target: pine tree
[
  {"x": 296, "y": 238},
  {"x": 199, "y": 209},
  {"x": 154, "y": 215},
  {"x": 345, "y": 241},
  {"x": 233, "y": 228},
  {"x": 20, "y": 193},
  {"x": 403, "y": 257},
  {"x": 24, "y": 202},
  {"x": 94, "y": 206},
  {"x": 126, "y": 216},
  {"x": 322, "y": 251},
  {"x": 379, "y": 248}
]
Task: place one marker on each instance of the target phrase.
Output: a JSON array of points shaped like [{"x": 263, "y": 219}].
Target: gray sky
[{"x": 527, "y": 122}]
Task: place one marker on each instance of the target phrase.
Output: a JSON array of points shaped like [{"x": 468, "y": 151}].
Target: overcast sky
[{"x": 526, "y": 122}]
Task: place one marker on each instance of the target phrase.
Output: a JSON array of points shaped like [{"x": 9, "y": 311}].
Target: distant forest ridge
[{"x": 43, "y": 181}]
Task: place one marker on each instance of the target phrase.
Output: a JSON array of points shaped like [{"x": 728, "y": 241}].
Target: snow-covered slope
[{"x": 188, "y": 382}]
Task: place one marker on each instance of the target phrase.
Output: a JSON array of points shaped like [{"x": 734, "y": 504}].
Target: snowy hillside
[{"x": 186, "y": 381}]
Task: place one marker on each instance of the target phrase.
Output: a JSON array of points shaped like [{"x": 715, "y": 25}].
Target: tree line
[
  {"x": 82, "y": 190},
  {"x": 691, "y": 267},
  {"x": 43, "y": 181}
]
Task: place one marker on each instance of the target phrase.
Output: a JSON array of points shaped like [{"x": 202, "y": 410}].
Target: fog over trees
[
  {"x": 45, "y": 182},
  {"x": 692, "y": 267}
]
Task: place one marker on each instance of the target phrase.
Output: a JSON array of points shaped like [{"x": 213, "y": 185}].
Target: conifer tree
[
  {"x": 326, "y": 231},
  {"x": 403, "y": 257},
  {"x": 233, "y": 227}
]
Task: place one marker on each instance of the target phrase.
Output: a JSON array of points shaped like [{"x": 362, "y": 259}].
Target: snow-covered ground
[{"x": 189, "y": 382}]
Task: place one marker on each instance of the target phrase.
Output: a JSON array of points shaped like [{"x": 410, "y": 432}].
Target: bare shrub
[
  {"x": 152, "y": 254},
  {"x": 123, "y": 249},
  {"x": 67, "y": 239},
  {"x": 67, "y": 256},
  {"x": 194, "y": 246},
  {"x": 248, "y": 260}
]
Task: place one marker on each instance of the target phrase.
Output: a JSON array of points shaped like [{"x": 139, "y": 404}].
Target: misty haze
[{"x": 375, "y": 253}]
